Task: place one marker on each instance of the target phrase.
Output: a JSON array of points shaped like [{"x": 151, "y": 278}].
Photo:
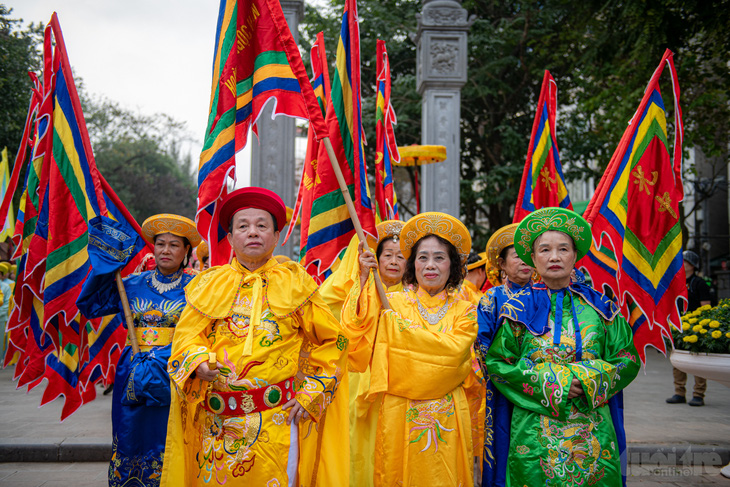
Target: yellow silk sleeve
[
  {"x": 190, "y": 348},
  {"x": 360, "y": 315},
  {"x": 323, "y": 358},
  {"x": 335, "y": 288}
]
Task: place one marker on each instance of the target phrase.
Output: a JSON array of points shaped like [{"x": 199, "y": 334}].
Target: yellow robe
[
  {"x": 469, "y": 292},
  {"x": 423, "y": 435},
  {"x": 295, "y": 336},
  {"x": 363, "y": 415},
  {"x": 475, "y": 385}
]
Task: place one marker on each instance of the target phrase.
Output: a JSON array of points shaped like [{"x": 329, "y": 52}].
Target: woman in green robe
[{"x": 563, "y": 354}]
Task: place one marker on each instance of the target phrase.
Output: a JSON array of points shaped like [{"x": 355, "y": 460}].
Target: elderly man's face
[{"x": 253, "y": 236}]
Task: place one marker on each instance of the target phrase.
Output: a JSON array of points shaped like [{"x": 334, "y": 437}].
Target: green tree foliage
[
  {"x": 141, "y": 159},
  {"x": 19, "y": 53},
  {"x": 601, "y": 54}
]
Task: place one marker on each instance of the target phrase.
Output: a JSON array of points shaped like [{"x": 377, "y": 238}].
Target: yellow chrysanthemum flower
[
  {"x": 714, "y": 324},
  {"x": 696, "y": 328},
  {"x": 705, "y": 322},
  {"x": 685, "y": 326},
  {"x": 703, "y": 331},
  {"x": 727, "y": 334},
  {"x": 692, "y": 321},
  {"x": 716, "y": 334},
  {"x": 691, "y": 339}
]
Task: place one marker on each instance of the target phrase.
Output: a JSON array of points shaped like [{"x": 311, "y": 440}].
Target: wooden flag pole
[
  {"x": 353, "y": 213},
  {"x": 127, "y": 314}
]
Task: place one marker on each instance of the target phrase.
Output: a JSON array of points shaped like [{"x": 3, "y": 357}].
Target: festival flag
[
  {"x": 635, "y": 216},
  {"x": 330, "y": 226},
  {"x": 543, "y": 183},
  {"x": 386, "y": 149},
  {"x": 255, "y": 60},
  {"x": 8, "y": 228},
  {"x": 50, "y": 338},
  {"x": 311, "y": 184}
]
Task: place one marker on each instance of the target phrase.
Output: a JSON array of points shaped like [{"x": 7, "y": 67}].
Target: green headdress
[{"x": 546, "y": 219}]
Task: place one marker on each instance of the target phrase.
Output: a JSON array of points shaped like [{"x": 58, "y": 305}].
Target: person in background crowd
[
  {"x": 476, "y": 275},
  {"x": 509, "y": 275},
  {"x": 698, "y": 294}
]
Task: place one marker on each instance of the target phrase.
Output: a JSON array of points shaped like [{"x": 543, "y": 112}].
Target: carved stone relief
[{"x": 444, "y": 57}]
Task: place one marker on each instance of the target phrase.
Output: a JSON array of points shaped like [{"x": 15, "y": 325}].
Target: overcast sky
[{"x": 152, "y": 56}]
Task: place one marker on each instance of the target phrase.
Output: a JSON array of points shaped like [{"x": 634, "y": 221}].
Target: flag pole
[
  {"x": 127, "y": 313},
  {"x": 353, "y": 214}
]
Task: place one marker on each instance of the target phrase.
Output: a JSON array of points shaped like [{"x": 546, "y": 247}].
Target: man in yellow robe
[{"x": 280, "y": 356}]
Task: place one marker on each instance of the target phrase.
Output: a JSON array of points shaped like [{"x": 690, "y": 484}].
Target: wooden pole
[
  {"x": 353, "y": 213},
  {"x": 127, "y": 314}
]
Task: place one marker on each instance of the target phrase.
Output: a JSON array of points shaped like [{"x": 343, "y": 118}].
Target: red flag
[
  {"x": 386, "y": 149},
  {"x": 543, "y": 183},
  {"x": 635, "y": 216}
]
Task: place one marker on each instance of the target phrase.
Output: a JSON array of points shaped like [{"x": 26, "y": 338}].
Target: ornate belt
[
  {"x": 153, "y": 336},
  {"x": 237, "y": 403}
]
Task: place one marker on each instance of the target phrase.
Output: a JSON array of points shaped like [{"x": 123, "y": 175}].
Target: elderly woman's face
[
  {"x": 554, "y": 257},
  {"x": 516, "y": 270},
  {"x": 433, "y": 265},
  {"x": 391, "y": 262}
]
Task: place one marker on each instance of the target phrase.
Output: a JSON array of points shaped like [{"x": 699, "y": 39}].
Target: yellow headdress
[
  {"x": 501, "y": 239},
  {"x": 435, "y": 223},
  {"x": 4, "y": 267},
  {"x": 386, "y": 229},
  {"x": 201, "y": 251},
  {"x": 482, "y": 261},
  {"x": 168, "y": 223}
]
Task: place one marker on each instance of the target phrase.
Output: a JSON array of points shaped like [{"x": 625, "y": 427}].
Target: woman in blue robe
[
  {"x": 141, "y": 398},
  {"x": 509, "y": 275}
]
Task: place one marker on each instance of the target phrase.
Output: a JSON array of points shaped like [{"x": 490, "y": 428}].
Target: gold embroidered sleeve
[{"x": 323, "y": 360}]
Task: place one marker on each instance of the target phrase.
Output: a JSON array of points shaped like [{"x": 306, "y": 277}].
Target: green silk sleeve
[
  {"x": 538, "y": 387},
  {"x": 604, "y": 377}
]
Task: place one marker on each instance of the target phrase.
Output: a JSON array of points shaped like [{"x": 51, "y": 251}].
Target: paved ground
[{"x": 670, "y": 445}]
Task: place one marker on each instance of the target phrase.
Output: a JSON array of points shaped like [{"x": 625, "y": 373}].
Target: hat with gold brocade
[
  {"x": 481, "y": 260},
  {"x": 435, "y": 223},
  {"x": 174, "y": 224},
  {"x": 202, "y": 251},
  {"x": 551, "y": 219},
  {"x": 386, "y": 229},
  {"x": 501, "y": 239}
]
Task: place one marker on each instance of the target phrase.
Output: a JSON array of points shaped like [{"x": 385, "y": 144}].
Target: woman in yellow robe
[{"x": 419, "y": 352}]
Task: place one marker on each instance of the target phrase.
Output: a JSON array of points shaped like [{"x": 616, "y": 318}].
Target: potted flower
[{"x": 703, "y": 346}]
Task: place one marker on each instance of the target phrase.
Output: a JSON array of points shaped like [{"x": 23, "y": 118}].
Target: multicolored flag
[
  {"x": 635, "y": 216},
  {"x": 543, "y": 183},
  {"x": 49, "y": 338},
  {"x": 386, "y": 149},
  {"x": 8, "y": 228},
  {"x": 330, "y": 227},
  {"x": 256, "y": 60},
  {"x": 311, "y": 185}
]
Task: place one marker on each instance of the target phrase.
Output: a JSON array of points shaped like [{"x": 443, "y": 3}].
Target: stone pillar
[
  {"x": 272, "y": 158},
  {"x": 441, "y": 73}
]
